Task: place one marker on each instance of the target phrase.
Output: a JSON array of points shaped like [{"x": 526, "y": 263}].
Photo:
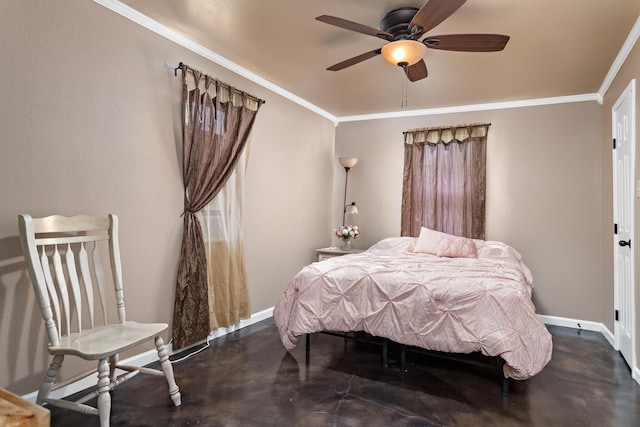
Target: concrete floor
[{"x": 248, "y": 379}]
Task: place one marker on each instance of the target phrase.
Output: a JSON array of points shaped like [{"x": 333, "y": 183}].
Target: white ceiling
[{"x": 558, "y": 48}]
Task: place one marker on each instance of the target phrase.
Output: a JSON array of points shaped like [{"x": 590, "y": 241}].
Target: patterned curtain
[
  {"x": 217, "y": 122},
  {"x": 444, "y": 180}
]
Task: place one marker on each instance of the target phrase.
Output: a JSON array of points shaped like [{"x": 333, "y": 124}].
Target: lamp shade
[
  {"x": 351, "y": 209},
  {"x": 348, "y": 162},
  {"x": 404, "y": 51}
]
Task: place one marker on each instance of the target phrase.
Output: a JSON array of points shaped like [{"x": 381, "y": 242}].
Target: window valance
[{"x": 446, "y": 134}]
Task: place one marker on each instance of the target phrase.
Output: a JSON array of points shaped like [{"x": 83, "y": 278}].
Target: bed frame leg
[
  {"x": 505, "y": 380},
  {"x": 385, "y": 352},
  {"x": 307, "y": 348},
  {"x": 505, "y": 387}
]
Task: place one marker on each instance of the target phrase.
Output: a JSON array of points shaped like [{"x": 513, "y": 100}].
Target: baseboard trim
[
  {"x": 609, "y": 336},
  {"x": 587, "y": 325},
  {"x": 255, "y": 318},
  {"x": 143, "y": 359},
  {"x": 571, "y": 323}
]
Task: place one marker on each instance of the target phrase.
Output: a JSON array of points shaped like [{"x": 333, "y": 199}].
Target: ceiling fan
[{"x": 403, "y": 28}]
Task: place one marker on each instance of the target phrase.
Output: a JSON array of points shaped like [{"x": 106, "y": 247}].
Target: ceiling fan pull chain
[
  {"x": 405, "y": 82},
  {"x": 404, "y": 92},
  {"x": 403, "y": 85},
  {"x": 401, "y": 95}
]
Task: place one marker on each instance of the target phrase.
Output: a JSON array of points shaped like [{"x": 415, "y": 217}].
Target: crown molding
[
  {"x": 631, "y": 40},
  {"x": 475, "y": 107},
  {"x": 164, "y": 31}
]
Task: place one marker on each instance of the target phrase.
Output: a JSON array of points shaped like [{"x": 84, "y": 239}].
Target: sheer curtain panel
[
  {"x": 217, "y": 122},
  {"x": 444, "y": 180},
  {"x": 222, "y": 227}
]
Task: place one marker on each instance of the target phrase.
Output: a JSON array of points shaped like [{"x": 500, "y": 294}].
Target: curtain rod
[
  {"x": 446, "y": 127},
  {"x": 181, "y": 66}
]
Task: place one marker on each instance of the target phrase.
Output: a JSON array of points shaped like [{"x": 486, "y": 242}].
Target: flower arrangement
[{"x": 347, "y": 232}]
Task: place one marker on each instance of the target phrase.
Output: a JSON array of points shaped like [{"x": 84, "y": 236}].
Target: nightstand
[{"x": 326, "y": 253}]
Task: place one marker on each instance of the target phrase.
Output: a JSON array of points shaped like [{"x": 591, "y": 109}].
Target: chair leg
[
  {"x": 104, "y": 398},
  {"x": 174, "y": 391},
  {"x": 113, "y": 362},
  {"x": 52, "y": 373}
]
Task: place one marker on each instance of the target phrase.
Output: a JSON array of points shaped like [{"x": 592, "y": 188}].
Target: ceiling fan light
[{"x": 404, "y": 51}]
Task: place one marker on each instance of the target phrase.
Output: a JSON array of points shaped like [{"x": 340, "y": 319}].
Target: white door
[{"x": 624, "y": 246}]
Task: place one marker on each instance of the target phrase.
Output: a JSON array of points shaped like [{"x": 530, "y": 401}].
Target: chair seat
[{"x": 105, "y": 341}]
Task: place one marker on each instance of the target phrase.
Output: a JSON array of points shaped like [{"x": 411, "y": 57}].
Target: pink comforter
[{"x": 457, "y": 305}]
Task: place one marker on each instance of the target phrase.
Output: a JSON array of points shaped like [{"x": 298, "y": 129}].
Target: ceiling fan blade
[
  {"x": 432, "y": 13},
  {"x": 355, "y": 60},
  {"x": 417, "y": 71},
  {"x": 468, "y": 42},
  {"x": 354, "y": 26}
]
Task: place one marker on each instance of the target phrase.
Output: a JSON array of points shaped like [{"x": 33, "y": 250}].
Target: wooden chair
[{"x": 65, "y": 265}]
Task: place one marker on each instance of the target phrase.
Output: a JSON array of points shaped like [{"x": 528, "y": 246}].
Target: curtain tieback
[{"x": 188, "y": 211}]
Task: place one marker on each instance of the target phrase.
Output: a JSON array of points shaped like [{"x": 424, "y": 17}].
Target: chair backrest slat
[
  {"x": 51, "y": 290},
  {"x": 116, "y": 269},
  {"x": 75, "y": 284},
  {"x": 88, "y": 283},
  {"x": 62, "y": 288},
  {"x": 64, "y": 262},
  {"x": 99, "y": 272}
]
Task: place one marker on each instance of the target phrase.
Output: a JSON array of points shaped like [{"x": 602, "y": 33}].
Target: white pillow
[
  {"x": 428, "y": 241},
  {"x": 394, "y": 244}
]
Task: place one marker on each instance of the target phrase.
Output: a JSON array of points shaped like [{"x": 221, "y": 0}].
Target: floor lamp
[{"x": 351, "y": 208}]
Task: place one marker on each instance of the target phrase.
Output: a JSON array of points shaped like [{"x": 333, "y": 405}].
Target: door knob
[{"x": 625, "y": 242}]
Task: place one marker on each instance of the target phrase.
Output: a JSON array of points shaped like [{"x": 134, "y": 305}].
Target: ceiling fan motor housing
[{"x": 397, "y": 22}]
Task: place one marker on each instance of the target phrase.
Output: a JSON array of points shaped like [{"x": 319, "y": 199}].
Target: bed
[{"x": 398, "y": 290}]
